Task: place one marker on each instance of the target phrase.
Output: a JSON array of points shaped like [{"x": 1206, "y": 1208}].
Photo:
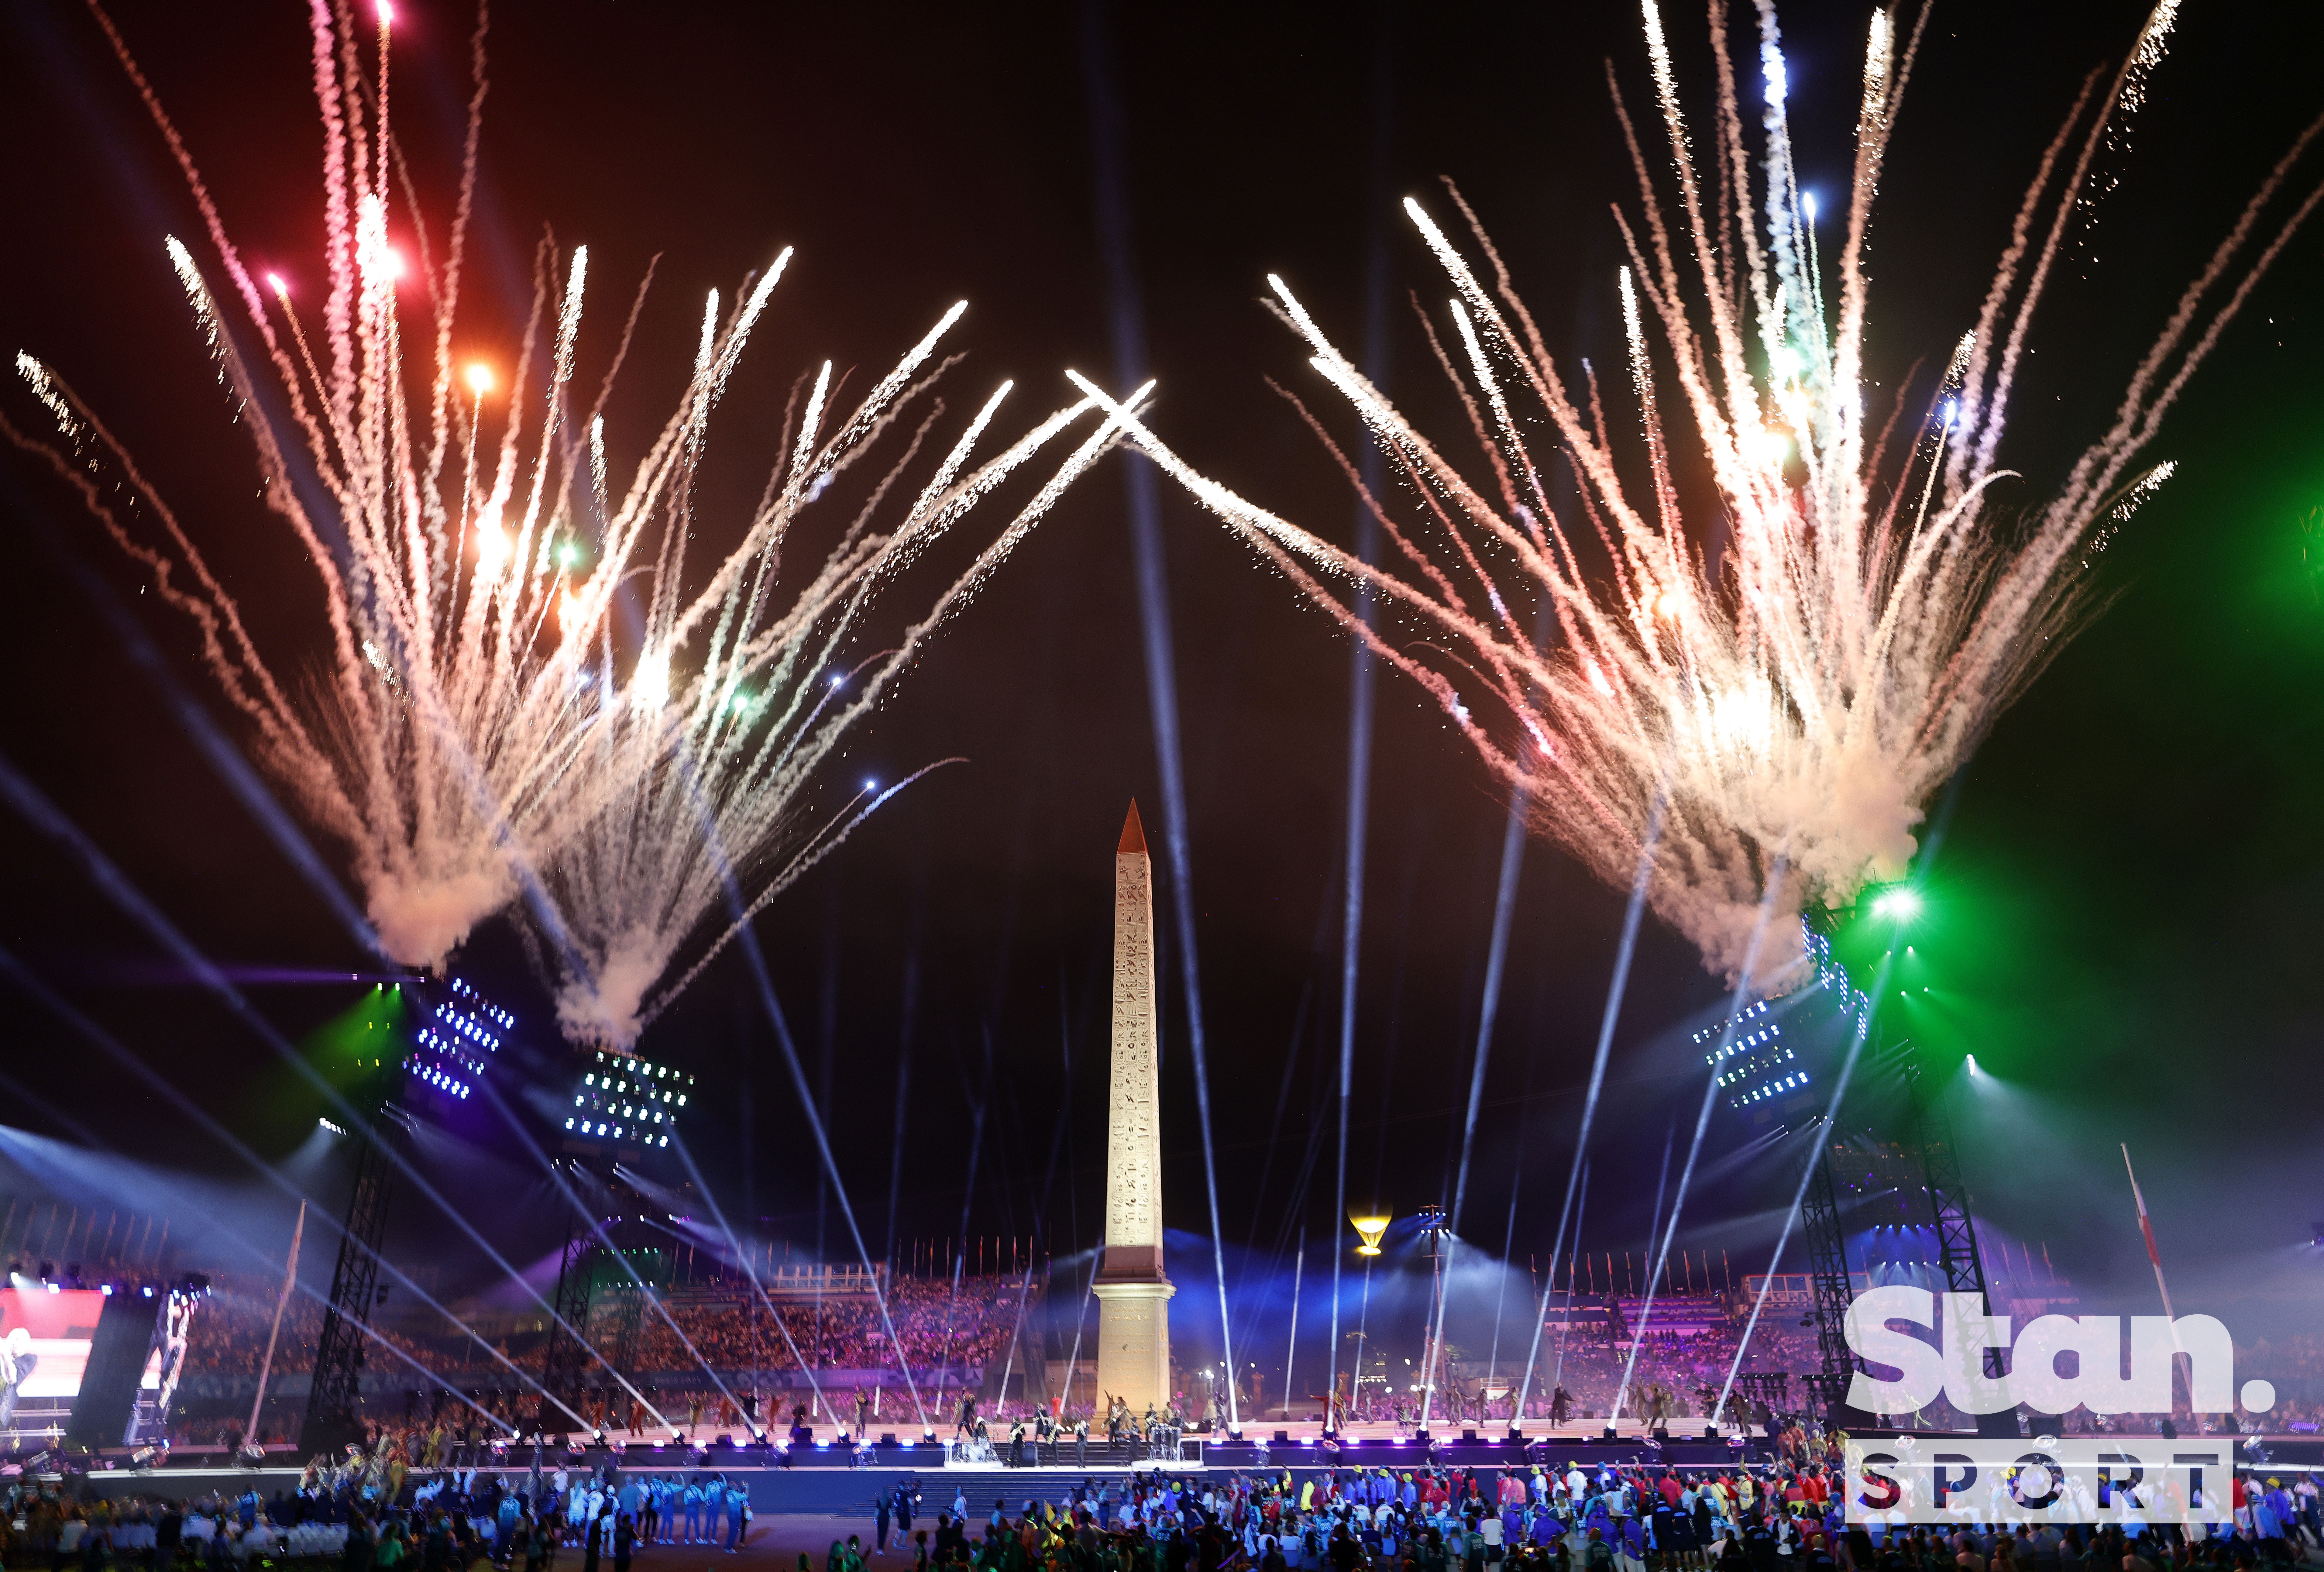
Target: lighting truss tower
[
  {"x": 334, "y": 1402},
  {"x": 623, "y": 1109},
  {"x": 1828, "y": 1279},
  {"x": 1432, "y": 1233},
  {"x": 1948, "y": 1210},
  {"x": 441, "y": 1056},
  {"x": 566, "y": 1368},
  {"x": 614, "y": 1250}
]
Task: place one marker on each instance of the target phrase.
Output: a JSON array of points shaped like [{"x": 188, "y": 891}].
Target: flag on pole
[{"x": 2147, "y": 1228}]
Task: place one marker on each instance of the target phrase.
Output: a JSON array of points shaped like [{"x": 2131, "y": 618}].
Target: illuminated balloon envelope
[{"x": 1370, "y": 1229}]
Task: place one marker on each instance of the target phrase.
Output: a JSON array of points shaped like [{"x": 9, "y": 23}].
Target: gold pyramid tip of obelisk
[{"x": 1133, "y": 833}]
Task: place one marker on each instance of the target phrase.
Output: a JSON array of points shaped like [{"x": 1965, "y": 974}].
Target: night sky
[{"x": 2124, "y": 904}]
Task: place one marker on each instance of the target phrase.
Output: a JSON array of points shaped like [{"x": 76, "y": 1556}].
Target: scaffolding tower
[
  {"x": 1828, "y": 1281},
  {"x": 1948, "y": 1210},
  {"x": 610, "y": 1254},
  {"x": 334, "y": 1402}
]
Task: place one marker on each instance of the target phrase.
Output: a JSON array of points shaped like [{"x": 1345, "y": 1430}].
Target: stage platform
[{"x": 833, "y": 1481}]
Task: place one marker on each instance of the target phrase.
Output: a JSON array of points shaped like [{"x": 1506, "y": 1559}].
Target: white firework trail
[
  {"x": 1790, "y": 661},
  {"x": 715, "y": 764},
  {"x": 525, "y": 692}
]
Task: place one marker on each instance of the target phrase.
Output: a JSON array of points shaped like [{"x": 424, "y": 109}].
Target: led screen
[{"x": 44, "y": 1342}]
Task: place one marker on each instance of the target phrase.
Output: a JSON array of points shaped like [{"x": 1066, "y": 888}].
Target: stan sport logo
[{"x": 2056, "y": 1364}]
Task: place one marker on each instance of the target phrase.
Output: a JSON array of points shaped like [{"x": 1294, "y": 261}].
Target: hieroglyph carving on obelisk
[{"x": 1133, "y": 1294}]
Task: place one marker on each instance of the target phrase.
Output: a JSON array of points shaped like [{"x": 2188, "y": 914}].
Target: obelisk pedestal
[{"x": 1133, "y": 1360}]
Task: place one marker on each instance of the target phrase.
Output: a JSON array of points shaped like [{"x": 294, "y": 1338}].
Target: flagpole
[
  {"x": 289, "y": 1279},
  {"x": 2154, "y": 1255},
  {"x": 2147, "y": 1228}
]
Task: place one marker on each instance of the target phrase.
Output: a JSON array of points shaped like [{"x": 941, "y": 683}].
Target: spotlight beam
[
  {"x": 1557, "y": 1370},
  {"x": 1614, "y": 988},
  {"x": 100, "y": 870},
  {"x": 1702, "y": 1123},
  {"x": 903, "y": 1089},
  {"x": 1505, "y": 895},
  {"x": 1073, "y": 1201},
  {"x": 978, "y": 1104},
  {"x": 747, "y": 939},
  {"x": 1865, "y": 1014},
  {"x": 1302, "y": 1183},
  {"x": 1274, "y": 1142},
  {"x": 597, "y": 1227},
  {"x": 718, "y": 1213},
  {"x": 1509, "y": 1250},
  {"x": 1363, "y": 678},
  {"x": 1126, "y": 314},
  {"x": 225, "y": 760},
  {"x": 58, "y": 1006},
  {"x": 1040, "y": 1225}
]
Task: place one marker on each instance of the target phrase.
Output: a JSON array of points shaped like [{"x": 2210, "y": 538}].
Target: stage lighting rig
[
  {"x": 459, "y": 1035},
  {"x": 1783, "y": 1062},
  {"x": 1780, "y": 1052},
  {"x": 1756, "y": 1065},
  {"x": 621, "y": 1101},
  {"x": 452, "y": 1036},
  {"x": 1897, "y": 905}
]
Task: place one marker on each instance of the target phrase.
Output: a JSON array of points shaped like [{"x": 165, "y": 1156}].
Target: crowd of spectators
[
  {"x": 731, "y": 1330},
  {"x": 965, "y": 1332},
  {"x": 938, "y": 1327}
]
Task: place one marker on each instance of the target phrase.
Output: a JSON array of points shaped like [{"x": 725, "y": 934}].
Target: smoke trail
[{"x": 1126, "y": 315}]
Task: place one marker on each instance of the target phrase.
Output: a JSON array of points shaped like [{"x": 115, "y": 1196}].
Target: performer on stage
[{"x": 17, "y": 1363}]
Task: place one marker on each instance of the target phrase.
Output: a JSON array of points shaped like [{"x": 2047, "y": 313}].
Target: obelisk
[{"x": 1133, "y": 1324}]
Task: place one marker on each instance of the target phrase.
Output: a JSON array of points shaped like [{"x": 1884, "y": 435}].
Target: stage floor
[{"x": 829, "y": 1488}]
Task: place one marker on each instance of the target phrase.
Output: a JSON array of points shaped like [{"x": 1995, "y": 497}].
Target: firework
[
  {"x": 1783, "y": 701},
  {"x": 714, "y": 765},
  {"x": 525, "y": 693}
]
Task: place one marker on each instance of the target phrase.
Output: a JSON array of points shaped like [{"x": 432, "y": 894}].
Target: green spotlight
[{"x": 1897, "y": 905}]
